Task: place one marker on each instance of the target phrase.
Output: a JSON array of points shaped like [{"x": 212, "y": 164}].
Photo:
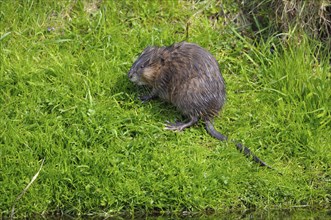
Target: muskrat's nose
[{"x": 130, "y": 75}]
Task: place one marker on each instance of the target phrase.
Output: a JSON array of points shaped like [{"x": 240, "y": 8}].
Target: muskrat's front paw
[{"x": 144, "y": 98}]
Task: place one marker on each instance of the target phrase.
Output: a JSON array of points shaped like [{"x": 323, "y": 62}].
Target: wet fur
[{"x": 187, "y": 76}]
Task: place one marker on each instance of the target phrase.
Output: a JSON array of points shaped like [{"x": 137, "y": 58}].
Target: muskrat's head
[{"x": 147, "y": 67}]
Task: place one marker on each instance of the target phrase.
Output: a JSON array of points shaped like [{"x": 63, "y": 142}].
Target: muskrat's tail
[{"x": 247, "y": 152}]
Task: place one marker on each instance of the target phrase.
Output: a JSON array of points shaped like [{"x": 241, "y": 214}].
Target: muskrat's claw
[{"x": 144, "y": 98}]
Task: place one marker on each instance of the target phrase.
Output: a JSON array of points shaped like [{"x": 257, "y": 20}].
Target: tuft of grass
[
  {"x": 65, "y": 98},
  {"x": 310, "y": 17}
]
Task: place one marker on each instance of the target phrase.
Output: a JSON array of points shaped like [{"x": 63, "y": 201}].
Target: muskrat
[{"x": 189, "y": 77}]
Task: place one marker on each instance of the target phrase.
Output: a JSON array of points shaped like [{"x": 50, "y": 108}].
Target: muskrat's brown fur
[{"x": 187, "y": 76}]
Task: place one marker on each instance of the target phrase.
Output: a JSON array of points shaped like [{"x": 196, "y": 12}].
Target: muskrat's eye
[{"x": 142, "y": 66}]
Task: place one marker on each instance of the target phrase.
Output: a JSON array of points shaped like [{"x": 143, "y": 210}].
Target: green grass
[{"x": 65, "y": 98}]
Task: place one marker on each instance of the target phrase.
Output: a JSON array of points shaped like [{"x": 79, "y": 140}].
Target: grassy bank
[{"x": 65, "y": 99}]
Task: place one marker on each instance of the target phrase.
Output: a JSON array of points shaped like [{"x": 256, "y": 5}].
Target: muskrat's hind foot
[{"x": 179, "y": 126}]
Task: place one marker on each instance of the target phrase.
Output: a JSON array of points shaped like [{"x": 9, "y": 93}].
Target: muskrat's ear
[{"x": 164, "y": 57}]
